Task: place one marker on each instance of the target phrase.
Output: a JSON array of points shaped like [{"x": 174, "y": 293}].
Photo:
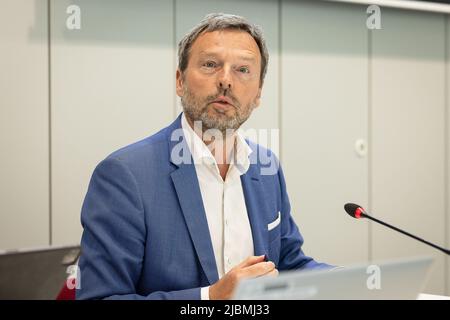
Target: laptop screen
[{"x": 35, "y": 273}]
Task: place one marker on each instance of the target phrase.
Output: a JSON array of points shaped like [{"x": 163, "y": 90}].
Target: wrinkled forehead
[{"x": 219, "y": 42}]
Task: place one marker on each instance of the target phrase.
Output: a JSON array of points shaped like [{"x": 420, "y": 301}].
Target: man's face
[{"x": 223, "y": 65}]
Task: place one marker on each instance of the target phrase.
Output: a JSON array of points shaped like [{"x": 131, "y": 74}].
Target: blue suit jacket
[{"x": 145, "y": 230}]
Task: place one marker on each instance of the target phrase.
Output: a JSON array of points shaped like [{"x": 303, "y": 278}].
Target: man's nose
[{"x": 224, "y": 79}]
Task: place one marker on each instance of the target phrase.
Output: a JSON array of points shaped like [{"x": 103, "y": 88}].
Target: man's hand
[{"x": 251, "y": 267}]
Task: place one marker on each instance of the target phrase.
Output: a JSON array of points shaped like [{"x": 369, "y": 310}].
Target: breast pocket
[
  {"x": 273, "y": 226},
  {"x": 274, "y": 231}
]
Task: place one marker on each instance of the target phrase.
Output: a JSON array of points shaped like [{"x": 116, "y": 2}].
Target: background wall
[{"x": 68, "y": 98}]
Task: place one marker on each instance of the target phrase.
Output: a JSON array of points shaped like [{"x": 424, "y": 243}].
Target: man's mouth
[
  {"x": 222, "y": 100},
  {"x": 221, "y": 107},
  {"x": 222, "y": 104}
]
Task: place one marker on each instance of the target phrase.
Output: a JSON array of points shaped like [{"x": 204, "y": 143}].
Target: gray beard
[{"x": 196, "y": 111}]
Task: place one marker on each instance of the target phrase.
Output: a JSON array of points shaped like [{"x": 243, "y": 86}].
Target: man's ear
[
  {"x": 258, "y": 98},
  {"x": 179, "y": 83}
]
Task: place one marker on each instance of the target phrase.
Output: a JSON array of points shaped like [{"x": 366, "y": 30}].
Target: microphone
[{"x": 358, "y": 212}]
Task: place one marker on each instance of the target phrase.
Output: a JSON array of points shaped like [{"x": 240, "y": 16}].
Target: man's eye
[
  {"x": 209, "y": 64},
  {"x": 244, "y": 70}
]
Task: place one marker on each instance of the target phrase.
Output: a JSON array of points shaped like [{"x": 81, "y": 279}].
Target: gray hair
[{"x": 222, "y": 21}]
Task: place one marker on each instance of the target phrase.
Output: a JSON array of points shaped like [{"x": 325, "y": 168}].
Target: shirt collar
[{"x": 202, "y": 155}]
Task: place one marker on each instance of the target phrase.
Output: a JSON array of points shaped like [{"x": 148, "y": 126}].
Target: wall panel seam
[{"x": 49, "y": 63}]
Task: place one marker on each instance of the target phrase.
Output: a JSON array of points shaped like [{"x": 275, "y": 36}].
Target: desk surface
[{"x": 426, "y": 296}]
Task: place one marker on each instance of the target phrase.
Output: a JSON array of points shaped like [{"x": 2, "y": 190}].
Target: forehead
[{"x": 219, "y": 41}]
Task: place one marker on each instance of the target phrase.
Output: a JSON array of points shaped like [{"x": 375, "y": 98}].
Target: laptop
[
  {"x": 395, "y": 279},
  {"x": 37, "y": 273}
]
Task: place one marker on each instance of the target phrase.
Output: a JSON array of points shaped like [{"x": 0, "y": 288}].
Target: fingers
[
  {"x": 251, "y": 267},
  {"x": 273, "y": 273},
  {"x": 250, "y": 261},
  {"x": 258, "y": 269}
]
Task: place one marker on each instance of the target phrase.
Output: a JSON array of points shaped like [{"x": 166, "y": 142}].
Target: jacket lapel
[
  {"x": 251, "y": 185},
  {"x": 189, "y": 195}
]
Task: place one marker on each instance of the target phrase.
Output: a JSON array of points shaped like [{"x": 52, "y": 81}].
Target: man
[{"x": 190, "y": 211}]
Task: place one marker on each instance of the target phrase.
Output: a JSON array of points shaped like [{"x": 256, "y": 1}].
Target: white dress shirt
[{"x": 223, "y": 201}]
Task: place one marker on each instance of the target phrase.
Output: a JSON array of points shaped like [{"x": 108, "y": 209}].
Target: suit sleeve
[
  {"x": 291, "y": 254},
  {"x": 114, "y": 236}
]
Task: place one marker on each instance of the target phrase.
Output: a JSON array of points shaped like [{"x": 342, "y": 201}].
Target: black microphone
[{"x": 358, "y": 212}]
